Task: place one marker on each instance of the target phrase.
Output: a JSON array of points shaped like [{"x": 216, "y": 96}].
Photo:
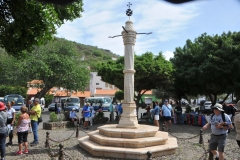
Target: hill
[{"x": 92, "y": 55}]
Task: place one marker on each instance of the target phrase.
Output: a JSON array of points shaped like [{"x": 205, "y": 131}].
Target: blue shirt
[
  {"x": 156, "y": 110},
  {"x": 86, "y": 114},
  {"x": 111, "y": 107},
  {"x": 120, "y": 110},
  {"x": 167, "y": 110},
  {"x": 218, "y": 119},
  {"x": 72, "y": 114}
]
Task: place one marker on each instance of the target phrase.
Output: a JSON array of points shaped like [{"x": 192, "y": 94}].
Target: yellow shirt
[{"x": 38, "y": 110}]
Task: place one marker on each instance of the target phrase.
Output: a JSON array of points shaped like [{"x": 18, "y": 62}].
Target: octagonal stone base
[{"x": 125, "y": 143}]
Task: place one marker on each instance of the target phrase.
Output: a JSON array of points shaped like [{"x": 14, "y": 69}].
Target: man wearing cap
[
  {"x": 167, "y": 113},
  {"x": 73, "y": 116},
  {"x": 219, "y": 131},
  {"x": 237, "y": 123},
  {"x": 35, "y": 113}
]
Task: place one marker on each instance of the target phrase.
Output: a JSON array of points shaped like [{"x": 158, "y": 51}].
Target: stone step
[
  {"x": 160, "y": 138},
  {"x": 128, "y": 153},
  {"x": 141, "y": 132}
]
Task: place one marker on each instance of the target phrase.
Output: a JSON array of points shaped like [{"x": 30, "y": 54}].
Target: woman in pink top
[{"x": 22, "y": 130}]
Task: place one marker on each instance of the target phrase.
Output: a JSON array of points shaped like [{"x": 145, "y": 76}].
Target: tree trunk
[{"x": 43, "y": 92}]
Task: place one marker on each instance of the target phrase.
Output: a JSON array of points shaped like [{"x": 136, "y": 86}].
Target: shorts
[
  {"x": 156, "y": 117},
  {"x": 218, "y": 142},
  {"x": 22, "y": 137},
  {"x": 87, "y": 118},
  {"x": 167, "y": 118}
]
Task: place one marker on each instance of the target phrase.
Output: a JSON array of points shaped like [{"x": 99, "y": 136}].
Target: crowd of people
[
  {"x": 27, "y": 119},
  {"x": 220, "y": 122}
]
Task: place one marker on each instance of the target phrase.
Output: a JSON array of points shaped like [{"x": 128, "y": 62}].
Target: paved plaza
[{"x": 189, "y": 149}]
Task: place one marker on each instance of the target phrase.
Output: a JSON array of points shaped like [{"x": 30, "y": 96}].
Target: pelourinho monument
[{"x": 128, "y": 139}]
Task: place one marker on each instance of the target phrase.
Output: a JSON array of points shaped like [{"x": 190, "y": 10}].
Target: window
[{"x": 97, "y": 83}]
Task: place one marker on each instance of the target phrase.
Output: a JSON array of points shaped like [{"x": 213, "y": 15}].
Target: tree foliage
[
  {"x": 5, "y": 90},
  {"x": 119, "y": 95},
  {"x": 151, "y": 72},
  {"x": 56, "y": 63},
  {"x": 25, "y": 23},
  {"x": 207, "y": 66}
]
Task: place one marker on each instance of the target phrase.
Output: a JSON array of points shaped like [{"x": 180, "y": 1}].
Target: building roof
[
  {"x": 147, "y": 92},
  {"x": 63, "y": 93},
  {"x": 105, "y": 92},
  {"x": 36, "y": 82},
  {"x": 33, "y": 91}
]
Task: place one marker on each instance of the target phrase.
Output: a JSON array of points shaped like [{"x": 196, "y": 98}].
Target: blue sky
[{"x": 171, "y": 24}]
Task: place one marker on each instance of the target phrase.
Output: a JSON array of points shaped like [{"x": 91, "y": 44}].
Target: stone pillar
[{"x": 128, "y": 117}]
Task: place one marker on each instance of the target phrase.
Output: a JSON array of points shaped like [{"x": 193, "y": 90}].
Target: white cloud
[
  {"x": 168, "y": 55},
  {"x": 102, "y": 20}
]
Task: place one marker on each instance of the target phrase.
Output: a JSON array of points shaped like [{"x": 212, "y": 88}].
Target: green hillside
[
  {"x": 88, "y": 55},
  {"x": 92, "y": 55}
]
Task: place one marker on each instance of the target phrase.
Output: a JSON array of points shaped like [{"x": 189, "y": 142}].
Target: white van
[{"x": 71, "y": 102}]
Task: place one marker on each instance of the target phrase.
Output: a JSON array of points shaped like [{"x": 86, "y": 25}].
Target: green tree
[
  {"x": 207, "y": 66},
  {"x": 119, "y": 95},
  {"x": 151, "y": 72},
  {"x": 28, "y": 23},
  {"x": 56, "y": 64}
]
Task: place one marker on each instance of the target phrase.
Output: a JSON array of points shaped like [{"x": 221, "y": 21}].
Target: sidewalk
[{"x": 188, "y": 149}]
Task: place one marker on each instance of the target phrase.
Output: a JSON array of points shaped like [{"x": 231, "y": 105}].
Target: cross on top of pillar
[{"x": 129, "y": 12}]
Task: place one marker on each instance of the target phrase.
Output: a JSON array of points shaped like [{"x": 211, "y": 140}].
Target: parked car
[
  {"x": 70, "y": 106},
  {"x": 51, "y": 107}
]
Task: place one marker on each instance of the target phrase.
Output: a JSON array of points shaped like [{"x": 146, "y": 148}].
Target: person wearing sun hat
[
  {"x": 3, "y": 129},
  {"x": 237, "y": 122},
  {"x": 219, "y": 128}
]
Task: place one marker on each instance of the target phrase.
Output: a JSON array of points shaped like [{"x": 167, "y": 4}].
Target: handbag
[{"x": 39, "y": 119}]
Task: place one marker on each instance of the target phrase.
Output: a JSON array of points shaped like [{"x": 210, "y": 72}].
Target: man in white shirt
[{"x": 73, "y": 116}]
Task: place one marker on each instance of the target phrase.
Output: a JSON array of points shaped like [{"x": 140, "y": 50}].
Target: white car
[{"x": 207, "y": 105}]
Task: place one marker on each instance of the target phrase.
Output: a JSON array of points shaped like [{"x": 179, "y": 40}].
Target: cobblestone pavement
[{"x": 189, "y": 149}]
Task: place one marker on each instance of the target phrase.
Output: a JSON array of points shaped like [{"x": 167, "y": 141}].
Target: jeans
[
  {"x": 3, "y": 137},
  {"x": 35, "y": 130}
]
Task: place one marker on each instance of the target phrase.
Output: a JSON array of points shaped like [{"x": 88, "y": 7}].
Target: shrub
[
  {"x": 100, "y": 114},
  {"x": 53, "y": 117}
]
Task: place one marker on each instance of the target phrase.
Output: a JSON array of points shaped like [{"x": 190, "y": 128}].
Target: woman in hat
[{"x": 3, "y": 129}]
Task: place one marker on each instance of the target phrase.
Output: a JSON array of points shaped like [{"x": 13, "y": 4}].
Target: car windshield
[
  {"x": 73, "y": 100},
  {"x": 71, "y": 104},
  {"x": 18, "y": 100}
]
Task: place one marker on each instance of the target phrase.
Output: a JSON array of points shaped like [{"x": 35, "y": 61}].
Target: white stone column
[{"x": 128, "y": 117}]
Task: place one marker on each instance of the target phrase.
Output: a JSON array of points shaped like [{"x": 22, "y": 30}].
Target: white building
[{"x": 96, "y": 83}]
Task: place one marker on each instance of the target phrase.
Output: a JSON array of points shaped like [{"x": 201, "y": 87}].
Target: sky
[{"x": 171, "y": 25}]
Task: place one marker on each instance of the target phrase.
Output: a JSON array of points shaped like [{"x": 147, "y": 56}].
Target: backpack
[{"x": 223, "y": 118}]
